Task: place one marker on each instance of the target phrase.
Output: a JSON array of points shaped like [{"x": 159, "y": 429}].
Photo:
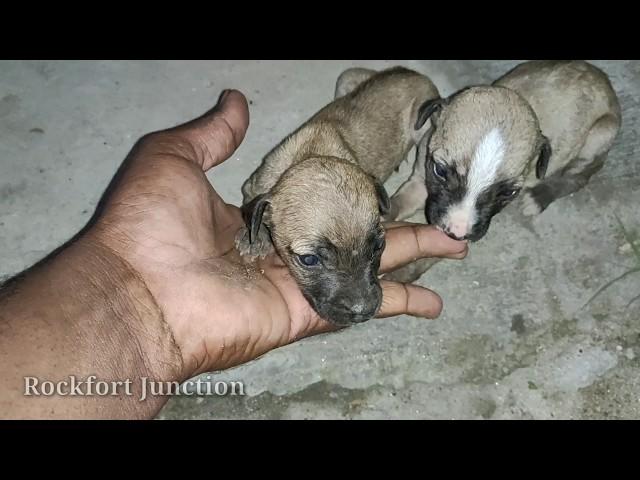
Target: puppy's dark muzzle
[
  {"x": 348, "y": 310},
  {"x": 355, "y": 314},
  {"x": 344, "y": 318},
  {"x": 478, "y": 231}
]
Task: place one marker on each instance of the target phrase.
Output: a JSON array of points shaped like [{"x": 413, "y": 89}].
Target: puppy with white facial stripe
[
  {"x": 543, "y": 129},
  {"x": 317, "y": 198},
  {"x": 485, "y": 163},
  {"x": 483, "y": 144}
]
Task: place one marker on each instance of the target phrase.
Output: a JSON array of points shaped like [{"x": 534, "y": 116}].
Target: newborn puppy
[
  {"x": 318, "y": 196},
  {"x": 543, "y": 129}
]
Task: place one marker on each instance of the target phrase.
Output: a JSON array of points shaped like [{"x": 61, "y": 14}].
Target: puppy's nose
[
  {"x": 357, "y": 308},
  {"x": 457, "y": 224},
  {"x": 450, "y": 234}
]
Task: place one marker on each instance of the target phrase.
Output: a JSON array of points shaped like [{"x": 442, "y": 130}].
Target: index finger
[{"x": 408, "y": 242}]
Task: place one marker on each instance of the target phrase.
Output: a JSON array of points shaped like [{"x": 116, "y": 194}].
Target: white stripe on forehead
[{"x": 487, "y": 158}]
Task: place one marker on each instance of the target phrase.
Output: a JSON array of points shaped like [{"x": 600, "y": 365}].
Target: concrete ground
[{"x": 515, "y": 339}]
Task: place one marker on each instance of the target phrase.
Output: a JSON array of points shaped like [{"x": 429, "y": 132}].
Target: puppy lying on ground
[
  {"x": 542, "y": 129},
  {"x": 318, "y": 196}
]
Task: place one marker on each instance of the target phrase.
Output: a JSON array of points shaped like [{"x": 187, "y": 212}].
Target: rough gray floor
[{"x": 514, "y": 340}]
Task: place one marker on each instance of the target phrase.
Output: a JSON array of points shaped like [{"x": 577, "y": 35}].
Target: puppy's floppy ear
[
  {"x": 427, "y": 109},
  {"x": 252, "y": 214},
  {"x": 543, "y": 158},
  {"x": 383, "y": 198}
]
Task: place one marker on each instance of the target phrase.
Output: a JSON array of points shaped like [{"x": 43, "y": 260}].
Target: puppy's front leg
[
  {"x": 577, "y": 173},
  {"x": 411, "y": 196},
  {"x": 411, "y": 272}
]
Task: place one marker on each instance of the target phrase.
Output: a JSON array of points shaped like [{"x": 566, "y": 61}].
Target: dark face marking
[
  {"x": 443, "y": 192},
  {"x": 342, "y": 287},
  {"x": 450, "y": 191},
  {"x": 490, "y": 202}
]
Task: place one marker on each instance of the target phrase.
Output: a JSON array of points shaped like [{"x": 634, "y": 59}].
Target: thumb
[{"x": 219, "y": 132}]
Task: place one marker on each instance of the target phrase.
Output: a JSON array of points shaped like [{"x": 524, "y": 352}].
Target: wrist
[
  {"x": 83, "y": 312},
  {"x": 128, "y": 304}
]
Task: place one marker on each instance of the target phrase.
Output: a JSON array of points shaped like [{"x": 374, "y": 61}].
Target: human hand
[{"x": 165, "y": 221}]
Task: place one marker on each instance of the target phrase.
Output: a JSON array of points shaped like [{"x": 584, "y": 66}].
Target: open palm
[{"x": 162, "y": 216}]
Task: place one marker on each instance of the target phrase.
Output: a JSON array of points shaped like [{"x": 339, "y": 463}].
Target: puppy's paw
[
  {"x": 392, "y": 214},
  {"x": 403, "y": 275},
  {"x": 400, "y": 210},
  {"x": 411, "y": 272},
  {"x": 260, "y": 247},
  {"x": 530, "y": 204}
]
